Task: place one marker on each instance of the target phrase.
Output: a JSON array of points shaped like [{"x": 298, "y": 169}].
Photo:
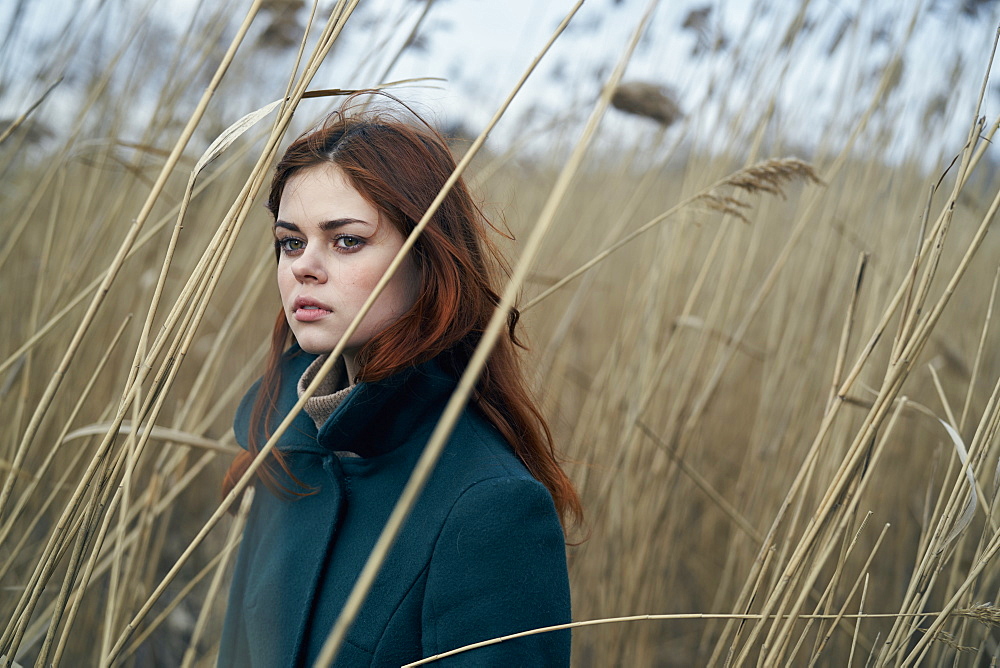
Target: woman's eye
[
  {"x": 349, "y": 242},
  {"x": 291, "y": 244}
]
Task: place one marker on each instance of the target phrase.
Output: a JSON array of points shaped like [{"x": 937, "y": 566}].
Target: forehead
[{"x": 321, "y": 193}]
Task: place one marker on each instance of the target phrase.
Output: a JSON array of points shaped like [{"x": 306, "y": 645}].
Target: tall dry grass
[{"x": 767, "y": 374}]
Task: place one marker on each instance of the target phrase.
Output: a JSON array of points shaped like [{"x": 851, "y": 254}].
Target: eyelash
[{"x": 281, "y": 245}]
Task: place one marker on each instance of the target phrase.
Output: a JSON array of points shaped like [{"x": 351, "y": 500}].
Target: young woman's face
[{"x": 332, "y": 250}]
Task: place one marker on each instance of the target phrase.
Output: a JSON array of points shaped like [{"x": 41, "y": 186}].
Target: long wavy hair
[{"x": 399, "y": 167}]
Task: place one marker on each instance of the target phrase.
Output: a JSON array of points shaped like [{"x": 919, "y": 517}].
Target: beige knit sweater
[{"x": 331, "y": 392}]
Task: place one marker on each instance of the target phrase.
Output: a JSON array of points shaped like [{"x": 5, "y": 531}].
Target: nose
[{"x": 308, "y": 266}]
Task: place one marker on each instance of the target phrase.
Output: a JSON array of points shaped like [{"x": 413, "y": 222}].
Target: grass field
[{"x": 766, "y": 386}]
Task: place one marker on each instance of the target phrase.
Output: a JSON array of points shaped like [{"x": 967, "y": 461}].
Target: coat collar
[
  {"x": 375, "y": 418},
  {"x": 378, "y": 417}
]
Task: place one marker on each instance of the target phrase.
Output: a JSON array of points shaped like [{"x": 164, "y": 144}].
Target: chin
[{"x": 314, "y": 347}]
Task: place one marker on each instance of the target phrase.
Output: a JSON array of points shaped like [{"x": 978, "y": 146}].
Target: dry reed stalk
[
  {"x": 752, "y": 588},
  {"x": 167, "y": 374},
  {"x": 764, "y": 177},
  {"x": 922, "y": 645},
  {"x": 67, "y": 584},
  {"x": 921, "y": 328},
  {"x": 92, "y": 568},
  {"x": 964, "y": 169},
  {"x": 16, "y": 550},
  {"x": 942, "y": 397},
  {"x": 849, "y": 518},
  {"x": 409, "y": 41},
  {"x": 838, "y": 369},
  {"x": 854, "y": 638},
  {"x": 901, "y": 330},
  {"x": 107, "y": 497},
  {"x": 983, "y": 434},
  {"x": 811, "y": 456},
  {"x": 40, "y": 573},
  {"x": 664, "y": 358},
  {"x": 237, "y": 316},
  {"x": 139, "y": 556},
  {"x": 104, "y": 467},
  {"x": 28, "y": 215},
  {"x": 17, "y": 122},
  {"x": 850, "y": 595},
  {"x": 44, "y": 259},
  {"x": 928, "y": 566},
  {"x": 53, "y": 554},
  {"x": 38, "y": 629},
  {"x": 773, "y": 642},
  {"x": 159, "y": 509},
  {"x": 825, "y": 600},
  {"x": 130, "y": 450},
  {"x": 976, "y": 365},
  {"x": 173, "y": 369},
  {"x": 235, "y": 534},
  {"x": 101, "y": 364},
  {"x": 156, "y": 433},
  {"x": 845, "y": 334},
  {"x": 973, "y": 612}
]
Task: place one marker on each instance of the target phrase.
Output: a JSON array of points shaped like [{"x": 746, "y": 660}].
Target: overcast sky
[{"x": 481, "y": 46}]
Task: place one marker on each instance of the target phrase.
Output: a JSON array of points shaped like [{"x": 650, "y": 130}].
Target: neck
[{"x": 351, "y": 364}]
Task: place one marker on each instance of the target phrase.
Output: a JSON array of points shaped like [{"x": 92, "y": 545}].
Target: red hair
[{"x": 399, "y": 168}]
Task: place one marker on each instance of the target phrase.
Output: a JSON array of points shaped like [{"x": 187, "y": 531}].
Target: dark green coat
[{"x": 482, "y": 554}]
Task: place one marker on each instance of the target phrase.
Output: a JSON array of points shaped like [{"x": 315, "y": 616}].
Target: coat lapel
[{"x": 288, "y": 536}]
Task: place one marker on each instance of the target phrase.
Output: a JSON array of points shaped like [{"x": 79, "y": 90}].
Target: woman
[{"x": 482, "y": 554}]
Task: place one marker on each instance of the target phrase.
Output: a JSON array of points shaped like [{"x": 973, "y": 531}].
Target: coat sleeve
[{"x": 499, "y": 567}]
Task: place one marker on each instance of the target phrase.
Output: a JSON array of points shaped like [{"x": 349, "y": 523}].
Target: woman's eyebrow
[
  {"x": 325, "y": 226},
  {"x": 340, "y": 222}
]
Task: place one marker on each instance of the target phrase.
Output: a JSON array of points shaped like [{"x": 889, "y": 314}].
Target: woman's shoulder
[
  {"x": 479, "y": 453},
  {"x": 498, "y": 566}
]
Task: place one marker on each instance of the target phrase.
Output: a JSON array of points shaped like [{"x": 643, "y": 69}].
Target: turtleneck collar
[{"x": 330, "y": 393}]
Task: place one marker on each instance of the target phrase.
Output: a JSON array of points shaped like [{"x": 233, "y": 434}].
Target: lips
[{"x": 309, "y": 310}]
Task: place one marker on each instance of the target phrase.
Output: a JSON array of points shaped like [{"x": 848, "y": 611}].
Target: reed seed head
[{"x": 649, "y": 100}]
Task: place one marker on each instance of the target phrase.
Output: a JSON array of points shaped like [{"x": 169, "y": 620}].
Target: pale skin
[{"x": 334, "y": 246}]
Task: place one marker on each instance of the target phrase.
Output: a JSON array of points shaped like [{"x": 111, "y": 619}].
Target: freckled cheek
[{"x": 359, "y": 280}]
